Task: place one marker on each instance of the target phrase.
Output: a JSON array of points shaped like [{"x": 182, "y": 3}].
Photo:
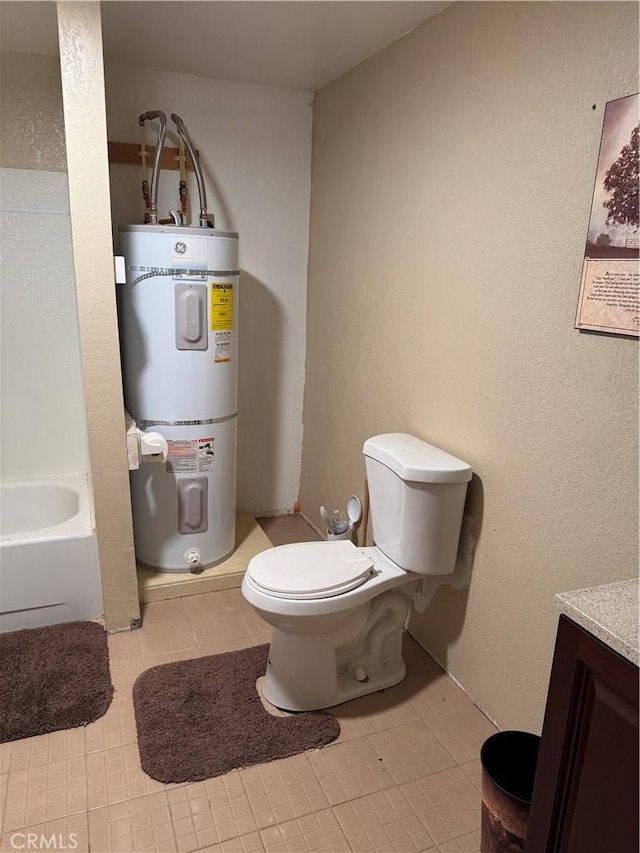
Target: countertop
[{"x": 609, "y": 612}]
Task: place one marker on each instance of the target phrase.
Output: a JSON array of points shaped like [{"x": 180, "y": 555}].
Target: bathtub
[{"x": 49, "y": 570}]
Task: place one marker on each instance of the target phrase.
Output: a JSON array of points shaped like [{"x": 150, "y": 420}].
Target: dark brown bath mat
[
  {"x": 201, "y": 718},
  {"x": 53, "y": 678}
]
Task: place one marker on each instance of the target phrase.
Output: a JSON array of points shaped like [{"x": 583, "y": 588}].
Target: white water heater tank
[{"x": 178, "y": 321}]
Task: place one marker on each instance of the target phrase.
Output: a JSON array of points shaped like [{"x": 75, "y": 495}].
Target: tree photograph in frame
[{"x": 609, "y": 298}]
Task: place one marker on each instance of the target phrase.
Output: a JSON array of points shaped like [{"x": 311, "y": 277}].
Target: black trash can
[{"x": 508, "y": 771}]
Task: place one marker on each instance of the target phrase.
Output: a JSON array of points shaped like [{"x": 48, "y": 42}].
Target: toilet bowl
[
  {"x": 330, "y": 595},
  {"x": 338, "y": 611}
]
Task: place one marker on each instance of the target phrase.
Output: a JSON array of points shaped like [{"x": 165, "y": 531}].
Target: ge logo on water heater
[{"x": 180, "y": 248}]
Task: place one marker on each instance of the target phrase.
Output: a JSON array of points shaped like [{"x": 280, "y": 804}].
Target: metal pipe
[
  {"x": 155, "y": 175},
  {"x": 182, "y": 130}
]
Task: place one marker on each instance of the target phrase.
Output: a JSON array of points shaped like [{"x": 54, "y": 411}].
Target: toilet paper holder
[{"x": 143, "y": 446}]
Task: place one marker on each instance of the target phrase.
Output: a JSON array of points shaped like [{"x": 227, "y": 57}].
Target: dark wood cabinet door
[{"x": 585, "y": 797}]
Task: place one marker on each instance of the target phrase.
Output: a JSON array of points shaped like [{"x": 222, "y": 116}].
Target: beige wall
[
  {"x": 86, "y": 132},
  {"x": 32, "y": 126},
  {"x": 451, "y": 186}
]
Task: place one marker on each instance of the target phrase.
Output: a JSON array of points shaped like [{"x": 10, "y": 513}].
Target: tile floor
[{"x": 403, "y": 776}]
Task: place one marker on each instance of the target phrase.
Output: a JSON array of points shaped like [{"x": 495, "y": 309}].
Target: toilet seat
[{"x": 310, "y": 570}]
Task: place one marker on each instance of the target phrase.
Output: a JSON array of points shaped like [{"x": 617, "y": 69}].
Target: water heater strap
[
  {"x": 151, "y": 272},
  {"x": 147, "y": 424}
]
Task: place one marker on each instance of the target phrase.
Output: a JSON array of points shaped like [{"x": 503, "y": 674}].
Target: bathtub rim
[{"x": 80, "y": 524}]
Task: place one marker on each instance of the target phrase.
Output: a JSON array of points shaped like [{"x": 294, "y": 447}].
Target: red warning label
[{"x": 190, "y": 457}]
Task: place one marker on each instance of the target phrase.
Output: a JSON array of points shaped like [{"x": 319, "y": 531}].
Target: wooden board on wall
[{"x": 128, "y": 153}]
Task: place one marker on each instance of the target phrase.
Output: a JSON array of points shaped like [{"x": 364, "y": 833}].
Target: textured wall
[
  {"x": 86, "y": 132},
  {"x": 44, "y": 431},
  {"x": 452, "y": 176},
  {"x": 32, "y": 127},
  {"x": 43, "y": 415}
]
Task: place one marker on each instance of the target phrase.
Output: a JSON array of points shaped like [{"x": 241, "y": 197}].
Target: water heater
[{"x": 178, "y": 318}]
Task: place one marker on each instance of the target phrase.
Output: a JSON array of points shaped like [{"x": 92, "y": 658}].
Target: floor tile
[
  {"x": 410, "y": 751},
  {"x": 376, "y": 711},
  {"x": 230, "y": 806},
  {"x": 282, "y": 790},
  {"x": 441, "y": 810},
  {"x": 203, "y": 607},
  {"x": 3, "y": 797},
  {"x": 315, "y": 832},
  {"x": 114, "y": 775},
  {"x": 5, "y": 753},
  {"x": 229, "y": 631},
  {"x": 383, "y": 821},
  {"x": 349, "y": 770},
  {"x": 415, "y": 657},
  {"x": 163, "y": 613},
  {"x": 225, "y": 789},
  {"x": 429, "y": 692},
  {"x": 45, "y": 792},
  {"x": 63, "y": 834},
  {"x": 465, "y": 844},
  {"x": 140, "y": 824},
  {"x": 46, "y": 749},
  {"x": 165, "y": 630},
  {"x": 133, "y": 652},
  {"x": 116, "y": 728},
  {"x": 210, "y": 812},
  {"x": 447, "y": 803},
  {"x": 473, "y": 770},
  {"x": 250, "y": 843},
  {"x": 166, "y": 638},
  {"x": 462, "y": 732},
  {"x": 192, "y": 819},
  {"x": 436, "y": 695}
]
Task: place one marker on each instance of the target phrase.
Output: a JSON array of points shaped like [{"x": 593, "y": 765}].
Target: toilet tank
[{"x": 416, "y": 495}]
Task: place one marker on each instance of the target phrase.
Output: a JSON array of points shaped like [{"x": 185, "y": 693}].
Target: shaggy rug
[
  {"x": 201, "y": 718},
  {"x": 53, "y": 678}
]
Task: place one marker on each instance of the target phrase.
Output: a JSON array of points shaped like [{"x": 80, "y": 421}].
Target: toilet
[{"x": 338, "y": 611}]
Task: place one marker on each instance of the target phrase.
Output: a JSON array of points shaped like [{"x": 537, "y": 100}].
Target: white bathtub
[{"x": 49, "y": 570}]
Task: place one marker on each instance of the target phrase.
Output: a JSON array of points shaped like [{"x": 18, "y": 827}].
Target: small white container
[{"x": 337, "y": 537}]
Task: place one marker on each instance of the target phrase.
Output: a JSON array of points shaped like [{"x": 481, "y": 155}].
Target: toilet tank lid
[{"x": 415, "y": 460}]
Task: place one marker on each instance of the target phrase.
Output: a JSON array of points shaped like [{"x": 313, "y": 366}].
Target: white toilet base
[
  {"x": 306, "y": 672},
  {"x": 342, "y": 690}
]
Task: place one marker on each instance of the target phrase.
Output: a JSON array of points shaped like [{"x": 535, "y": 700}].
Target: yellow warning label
[{"x": 221, "y": 307}]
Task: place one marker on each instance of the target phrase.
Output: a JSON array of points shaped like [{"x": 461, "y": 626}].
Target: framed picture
[{"x": 610, "y": 288}]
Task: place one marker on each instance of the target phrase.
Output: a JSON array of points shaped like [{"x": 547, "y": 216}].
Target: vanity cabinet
[{"x": 585, "y": 797}]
